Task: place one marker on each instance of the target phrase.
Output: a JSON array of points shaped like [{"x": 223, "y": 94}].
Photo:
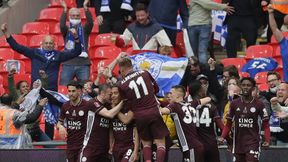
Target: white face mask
[
  {"x": 274, "y": 89},
  {"x": 75, "y": 21}
]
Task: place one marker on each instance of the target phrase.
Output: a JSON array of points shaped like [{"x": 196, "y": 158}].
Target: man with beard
[
  {"x": 206, "y": 118},
  {"x": 87, "y": 131},
  {"x": 185, "y": 113},
  {"x": 278, "y": 106},
  {"x": 245, "y": 112},
  {"x": 125, "y": 135},
  {"x": 273, "y": 80}
]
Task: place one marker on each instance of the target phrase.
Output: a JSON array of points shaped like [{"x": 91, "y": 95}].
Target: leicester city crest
[{"x": 151, "y": 64}]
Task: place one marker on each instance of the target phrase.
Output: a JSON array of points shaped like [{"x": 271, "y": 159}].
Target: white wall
[{"x": 21, "y": 12}]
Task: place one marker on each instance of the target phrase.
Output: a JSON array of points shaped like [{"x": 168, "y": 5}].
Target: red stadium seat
[
  {"x": 20, "y": 39},
  {"x": 95, "y": 29},
  {"x": 243, "y": 74},
  {"x": 50, "y": 16},
  {"x": 257, "y": 51},
  {"x": 36, "y": 41},
  {"x": 56, "y": 4},
  {"x": 1, "y": 80},
  {"x": 261, "y": 77},
  {"x": 273, "y": 40},
  {"x": 62, "y": 89},
  {"x": 34, "y": 28},
  {"x": 109, "y": 52},
  {"x": 238, "y": 62},
  {"x": 103, "y": 40},
  {"x": 277, "y": 52},
  {"x": 263, "y": 87},
  {"x": 2, "y": 91},
  {"x": 6, "y": 54},
  {"x": 19, "y": 77},
  {"x": 3, "y": 66},
  {"x": 92, "y": 11},
  {"x": 105, "y": 63}
]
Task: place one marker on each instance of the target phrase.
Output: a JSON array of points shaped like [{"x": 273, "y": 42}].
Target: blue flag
[
  {"x": 165, "y": 70},
  {"x": 257, "y": 65},
  {"x": 51, "y": 111}
]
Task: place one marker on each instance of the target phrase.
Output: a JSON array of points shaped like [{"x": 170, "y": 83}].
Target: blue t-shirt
[{"x": 284, "y": 54}]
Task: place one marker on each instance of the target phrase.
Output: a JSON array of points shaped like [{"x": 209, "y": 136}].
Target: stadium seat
[
  {"x": 243, "y": 74},
  {"x": 103, "y": 40},
  {"x": 21, "y": 39},
  {"x": 105, "y": 63},
  {"x": 3, "y": 66},
  {"x": 1, "y": 80},
  {"x": 2, "y": 91},
  {"x": 257, "y": 51},
  {"x": 6, "y": 54},
  {"x": 62, "y": 89},
  {"x": 277, "y": 57},
  {"x": 261, "y": 77},
  {"x": 273, "y": 40},
  {"x": 50, "y": 16},
  {"x": 108, "y": 52},
  {"x": 83, "y": 16},
  {"x": 263, "y": 87},
  {"x": 56, "y": 4},
  {"x": 238, "y": 62},
  {"x": 34, "y": 28},
  {"x": 36, "y": 40}
]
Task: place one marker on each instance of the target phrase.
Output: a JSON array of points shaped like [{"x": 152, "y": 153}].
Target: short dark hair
[
  {"x": 252, "y": 80},
  {"x": 274, "y": 73},
  {"x": 232, "y": 70},
  {"x": 6, "y": 99},
  {"x": 76, "y": 84},
  {"x": 140, "y": 7},
  {"x": 194, "y": 87},
  {"x": 181, "y": 88},
  {"x": 19, "y": 83},
  {"x": 103, "y": 87},
  {"x": 195, "y": 60},
  {"x": 125, "y": 62}
]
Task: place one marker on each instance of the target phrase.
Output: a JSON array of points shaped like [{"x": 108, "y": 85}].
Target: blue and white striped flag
[
  {"x": 220, "y": 30},
  {"x": 165, "y": 70},
  {"x": 51, "y": 111},
  {"x": 179, "y": 23}
]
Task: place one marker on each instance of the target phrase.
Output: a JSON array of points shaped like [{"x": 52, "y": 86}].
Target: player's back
[{"x": 139, "y": 88}]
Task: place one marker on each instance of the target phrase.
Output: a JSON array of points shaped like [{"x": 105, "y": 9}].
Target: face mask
[
  {"x": 75, "y": 21},
  {"x": 273, "y": 90}
]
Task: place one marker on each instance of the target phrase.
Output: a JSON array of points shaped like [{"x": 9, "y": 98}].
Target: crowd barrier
[{"x": 272, "y": 154}]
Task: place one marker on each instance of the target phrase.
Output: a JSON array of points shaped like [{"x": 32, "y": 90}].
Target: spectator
[
  {"x": 112, "y": 14},
  {"x": 78, "y": 67},
  {"x": 13, "y": 136},
  {"x": 244, "y": 14},
  {"x": 18, "y": 93},
  {"x": 280, "y": 10},
  {"x": 165, "y": 50},
  {"x": 165, "y": 13},
  {"x": 229, "y": 71},
  {"x": 246, "y": 112},
  {"x": 273, "y": 80},
  {"x": 79, "y": 3},
  {"x": 144, "y": 33},
  {"x": 200, "y": 24},
  {"x": 279, "y": 105},
  {"x": 234, "y": 91},
  {"x": 45, "y": 58},
  {"x": 283, "y": 42},
  {"x": 256, "y": 94}
]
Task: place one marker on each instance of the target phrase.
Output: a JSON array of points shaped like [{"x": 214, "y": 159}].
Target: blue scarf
[
  {"x": 126, "y": 5},
  {"x": 46, "y": 53},
  {"x": 70, "y": 44}
]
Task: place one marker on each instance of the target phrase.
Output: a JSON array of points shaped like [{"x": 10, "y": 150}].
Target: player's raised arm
[{"x": 112, "y": 112}]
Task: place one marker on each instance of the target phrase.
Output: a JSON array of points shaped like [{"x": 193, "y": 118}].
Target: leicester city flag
[
  {"x": 165, "y": 70},
  {"x": 257, "y": 65},
  {"x": 51, "y": 111}
]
